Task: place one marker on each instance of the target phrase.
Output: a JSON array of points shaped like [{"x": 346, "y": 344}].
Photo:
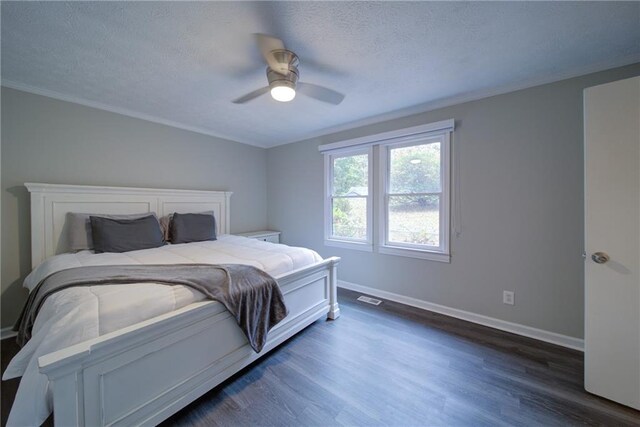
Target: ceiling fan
[{"x": 282, "y": 75}]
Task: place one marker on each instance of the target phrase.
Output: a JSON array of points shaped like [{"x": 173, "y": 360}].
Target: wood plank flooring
[
  {"x": 401, "y": 366},
  {"x": 8, "y": 348}
]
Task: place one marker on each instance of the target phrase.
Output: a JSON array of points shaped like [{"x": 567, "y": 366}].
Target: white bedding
[{"x": 78, "y": 314}]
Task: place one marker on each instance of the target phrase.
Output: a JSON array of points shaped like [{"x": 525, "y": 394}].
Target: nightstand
[{"x": 264, "y": 235}]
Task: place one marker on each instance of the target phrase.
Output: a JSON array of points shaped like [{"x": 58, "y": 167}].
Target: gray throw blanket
[{"x": 251, "y": 295}]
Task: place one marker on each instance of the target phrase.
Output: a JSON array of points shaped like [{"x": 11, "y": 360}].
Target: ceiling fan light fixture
[
  {"x": 282, "y": 75},
  {"x": 283, "y": 86},
  {"x": 283, "y": 92}
]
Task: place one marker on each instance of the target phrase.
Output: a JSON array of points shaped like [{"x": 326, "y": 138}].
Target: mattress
[{"x": 78, "y": 314}]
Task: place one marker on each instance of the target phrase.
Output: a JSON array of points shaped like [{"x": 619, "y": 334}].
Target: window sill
[
  {"x": 366, "y": 247},
  {"x": 415, "y": 253}
]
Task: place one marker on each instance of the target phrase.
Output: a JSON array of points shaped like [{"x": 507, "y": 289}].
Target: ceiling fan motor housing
[
  {"x": 282, "y": 75},
  {"x": 288, "y": 74}
]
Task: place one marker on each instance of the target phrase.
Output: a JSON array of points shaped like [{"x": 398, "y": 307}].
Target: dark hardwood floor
[
  {"x": 8, "y": 348},
  {"x": 397, "y": 365}
]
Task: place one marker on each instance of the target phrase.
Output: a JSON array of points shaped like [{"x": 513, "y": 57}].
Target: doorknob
[{"x": 600, "y": 257}]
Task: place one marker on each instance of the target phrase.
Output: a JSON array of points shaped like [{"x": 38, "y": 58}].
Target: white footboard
[{"x": 144, "y": 373}]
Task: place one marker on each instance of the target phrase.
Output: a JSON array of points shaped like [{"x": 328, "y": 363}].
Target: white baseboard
[
  {"x": 7, "y": 333},
  {"x": 503, "y": 325}
]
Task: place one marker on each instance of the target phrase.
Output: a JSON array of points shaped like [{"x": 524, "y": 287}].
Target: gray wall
[
  {"x": 521, "y": 193},
  {"x": 520, "y": 178},
  {"x": 46, "y": 140}
]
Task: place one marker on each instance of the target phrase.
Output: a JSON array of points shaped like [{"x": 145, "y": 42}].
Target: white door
[{"x": 612, "y": 241}]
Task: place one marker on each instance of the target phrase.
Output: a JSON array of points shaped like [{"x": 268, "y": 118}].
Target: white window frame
[
  {"x": 440, "y": 253},
  {"x": 345, "y": 242},
  {"x": 376, "y": 146}
]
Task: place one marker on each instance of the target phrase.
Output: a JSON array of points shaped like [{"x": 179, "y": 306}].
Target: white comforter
[{"x": 77, "y": 314}]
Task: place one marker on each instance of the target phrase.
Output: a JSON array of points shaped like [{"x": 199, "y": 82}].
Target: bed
[{"x": 141, "y": 373}]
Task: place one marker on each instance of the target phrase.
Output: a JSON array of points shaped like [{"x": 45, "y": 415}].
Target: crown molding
[
  {"x": 118, "y": 110},
  {"x": 404, "y": 112},
  {"x": 472, "y": 96}
]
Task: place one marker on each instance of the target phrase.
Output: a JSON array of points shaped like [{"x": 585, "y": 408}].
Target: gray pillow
[
  {"x": 185, "y": 228},
  {"x": 79, "y": 228},
  {"x": 124, "y": 235}
]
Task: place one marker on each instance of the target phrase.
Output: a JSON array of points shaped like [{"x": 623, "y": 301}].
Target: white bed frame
[{"x": 142, "y": 374}]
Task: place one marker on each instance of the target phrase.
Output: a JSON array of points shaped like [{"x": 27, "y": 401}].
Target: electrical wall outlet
[{"x": 508, "y": 297}]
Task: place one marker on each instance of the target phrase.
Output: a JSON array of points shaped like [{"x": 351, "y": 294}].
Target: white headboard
[{"x": 50, "y": 204}]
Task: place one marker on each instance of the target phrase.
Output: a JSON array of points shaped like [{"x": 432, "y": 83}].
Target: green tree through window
[{"x": 349, "y": 196}]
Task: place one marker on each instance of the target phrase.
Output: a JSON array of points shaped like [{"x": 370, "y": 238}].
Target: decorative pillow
[
  {"x": 79, "y": 228},
  {"x": 185, "y": 228},
  {"x": 124, "y": 235}
]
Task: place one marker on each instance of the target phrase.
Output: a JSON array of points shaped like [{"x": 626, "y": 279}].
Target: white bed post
[
  {"x": 38, "y": 223},
  {"x": 68, "y": 407},
  {"x": 334, "y": 309}
]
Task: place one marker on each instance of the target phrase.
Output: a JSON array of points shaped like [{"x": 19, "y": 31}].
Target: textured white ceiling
[{"x": 184, "y": 62}]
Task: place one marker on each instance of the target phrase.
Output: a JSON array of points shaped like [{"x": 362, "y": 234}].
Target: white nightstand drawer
[
  {"x": 264, "y": 235},
  {"x": 274, "y": 238}
]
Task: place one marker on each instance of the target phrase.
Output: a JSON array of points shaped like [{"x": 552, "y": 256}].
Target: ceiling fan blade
[
  {"x": 268, "y": 44},
  {"x": 251, "y": 95},
  {"x": 320, "y": 93}
]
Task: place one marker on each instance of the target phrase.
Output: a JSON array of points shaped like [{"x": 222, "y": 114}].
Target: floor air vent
[{"x": 369, "y": 300}]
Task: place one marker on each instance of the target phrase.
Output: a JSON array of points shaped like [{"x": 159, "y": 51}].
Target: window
[
  {"x": 414, "y": 197},
  {"x": 409, "y": 191},
  {"x": 349, "y": 204}
]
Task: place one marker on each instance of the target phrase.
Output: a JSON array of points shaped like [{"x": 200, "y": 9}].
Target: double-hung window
[
  {"x": 414, "y": 197},
  {"x": 349, "y": 205},
  {"x": 407, "y": 195}
]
